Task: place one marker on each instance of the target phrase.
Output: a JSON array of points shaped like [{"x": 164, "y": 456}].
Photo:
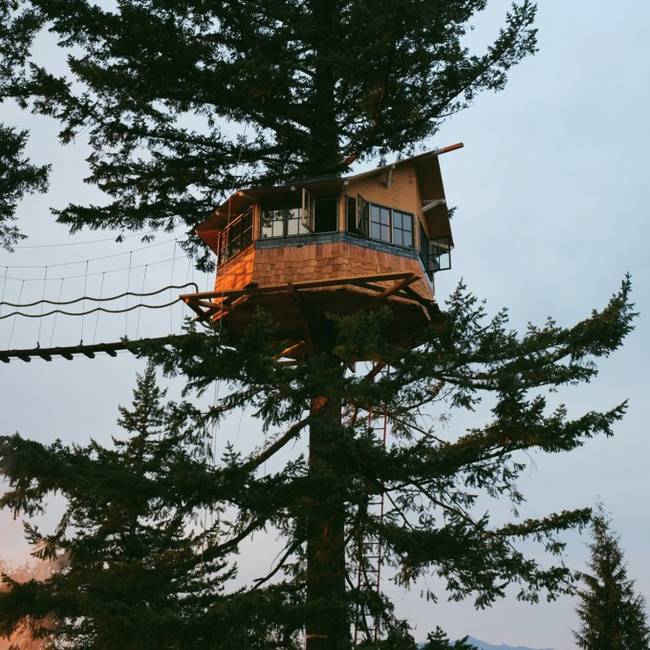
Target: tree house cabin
[{"x": 331, "y": 245}]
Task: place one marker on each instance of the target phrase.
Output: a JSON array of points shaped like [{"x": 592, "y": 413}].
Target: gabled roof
[{"x": 429, "y": 180}]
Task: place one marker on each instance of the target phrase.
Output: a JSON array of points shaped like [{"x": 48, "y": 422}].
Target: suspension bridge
[{"x": 94, "y": 298}]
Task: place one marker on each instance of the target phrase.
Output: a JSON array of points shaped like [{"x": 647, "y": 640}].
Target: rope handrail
[
  {"x": 101, "y": 309},
  {"x": 100, "y": 299}
]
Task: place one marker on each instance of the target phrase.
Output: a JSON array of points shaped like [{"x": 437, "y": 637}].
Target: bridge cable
[
  {"x": 103, "y": 309},
  {"x": 55, "y": 315},
  {"x": 101, "y": 292},
  {"x": 40, "y": 320},
  {"x": 83, "y": 315},
  {"x": 126, "y": 299},
  {"x": 97, "y": 299},
  {"x": 171, "y": 280},
  {"x": 4, "y": 284},
  {"x": 137, "y": 328},
  {"x": 13, "y": 325}
]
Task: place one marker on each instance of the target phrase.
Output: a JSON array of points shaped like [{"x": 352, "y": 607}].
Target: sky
[{"x": 551, "y": 192}]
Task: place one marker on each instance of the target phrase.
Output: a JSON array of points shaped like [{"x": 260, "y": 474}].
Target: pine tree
[
  {"x": 438, "y": 640},
  {"x": 183, "y": 101},
  {"x": 431, "y": 479},
  {"x": 18, "y": 176},
  {"x": 613, "y": 616},
  {"x": 134, "y": 575}
]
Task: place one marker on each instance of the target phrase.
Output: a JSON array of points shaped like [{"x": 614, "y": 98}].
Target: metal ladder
[{"x": 370, "y": 548}]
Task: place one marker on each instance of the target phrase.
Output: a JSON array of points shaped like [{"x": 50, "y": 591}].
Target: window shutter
[
  {"x": 362, "y": 215},
  {"x": 307, "y": 210}
]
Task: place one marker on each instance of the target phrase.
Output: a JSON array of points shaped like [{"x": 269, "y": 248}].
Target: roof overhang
[{"x": 429, "y": 178}]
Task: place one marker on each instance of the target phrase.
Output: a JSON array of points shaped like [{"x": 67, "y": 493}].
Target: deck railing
[{"x": 236, "y": 236}]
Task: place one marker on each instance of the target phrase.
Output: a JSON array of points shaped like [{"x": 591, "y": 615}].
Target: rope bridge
[
  {"x": 25, "y": 299},
  {"x": 90, "y": 350}
]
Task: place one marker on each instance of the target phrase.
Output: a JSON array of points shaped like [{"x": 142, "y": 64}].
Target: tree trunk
[{"x": 327, "y": 622}]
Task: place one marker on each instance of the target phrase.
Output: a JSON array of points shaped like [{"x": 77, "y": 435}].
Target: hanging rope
[
  {"x": 137, "y": 329},
  {"x": 103, "y": 309},
  {"x": 101, "y": 291},
  {"x": 13, "y": 325},
  {"x": 126, "y": 298},
  {"x": 171, "y": 280},
  {"x": 4, "y": 284},
  {"x": 84, "y": 304},
  {"x": 100, "y": 299},
  {"x": 55, "y": 315},
  {"x": 40, "y": 322}
]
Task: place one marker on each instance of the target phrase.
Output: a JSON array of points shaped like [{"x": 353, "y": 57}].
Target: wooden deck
[
  {"x": 69, "y": 352},
  {"x": 294, "y": 305}
]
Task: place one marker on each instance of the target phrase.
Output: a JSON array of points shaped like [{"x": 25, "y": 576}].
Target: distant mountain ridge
[{"x": 482, "y": 645}]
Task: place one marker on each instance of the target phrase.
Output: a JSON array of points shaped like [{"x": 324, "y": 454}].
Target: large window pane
[
  {"x": 380, "y": 223},
  {"x": 402, "y": 228},
  {"x": 282, "y": 222}
]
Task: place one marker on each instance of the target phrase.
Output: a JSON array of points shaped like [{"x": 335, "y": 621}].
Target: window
[
  {"x": 236, "y": 236},
  {"x": 441, "y": 253},
  {"x": 402, "y": 229},
  {"x": 300, "y": 216},
  {"x": 283, "y": 221},
  {"x": 425, "y": 253},
  {"x": 435, "y": 253},
  {"x": 378, "y": 222},
  {"x": 326, "y": 214}
]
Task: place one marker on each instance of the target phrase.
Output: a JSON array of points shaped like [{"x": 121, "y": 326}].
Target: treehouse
[{"x": 330, "y": 245}]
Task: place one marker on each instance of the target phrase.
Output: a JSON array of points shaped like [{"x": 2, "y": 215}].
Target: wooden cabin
[{"x": 330, "y": 244}]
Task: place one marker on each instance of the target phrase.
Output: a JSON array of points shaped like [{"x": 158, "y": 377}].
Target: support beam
[
  {"x": 389, "y": 176},
  {"x": 397, "y": 286},
  {"x": 429, "y": 205}
]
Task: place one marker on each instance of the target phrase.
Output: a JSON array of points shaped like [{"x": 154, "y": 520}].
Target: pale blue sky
[{"x": 552, "y": 196}]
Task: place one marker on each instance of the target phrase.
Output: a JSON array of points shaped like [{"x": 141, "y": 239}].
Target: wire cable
[
  {"x": 13, "y": 325},
  {"x": 40, "y": 322},
  {"x": 126, "y": 298},
  {"x": 87, "y": 241},
  {"x": 90, "y": 275},
  {"x": 84, "y": 304},
  {"x": 55, "y": 315},
  {"x": 101, "y": 291},
  {"x": 137, "y": 327},
  {"x": 92, "y": 259},
  {"x": 4, "y": 284}
]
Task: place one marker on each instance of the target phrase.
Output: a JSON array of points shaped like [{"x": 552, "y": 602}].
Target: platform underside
[{"x": 294, "y": 306}]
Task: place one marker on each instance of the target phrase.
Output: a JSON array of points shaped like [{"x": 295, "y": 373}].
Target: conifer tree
[
  {"x": 183, "y": 101},
  {"x": 612, "y": 614},
  {"x": 438, "y": 640},
  {"x": 431, "y": 478},
  {"x": 133, "y": 574},
  {"x": 18, "y": 176}
]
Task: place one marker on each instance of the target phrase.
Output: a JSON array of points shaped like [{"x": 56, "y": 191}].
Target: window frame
[
  {"x": 367, "y": 221},
  {"x": 300, "y": 208}
]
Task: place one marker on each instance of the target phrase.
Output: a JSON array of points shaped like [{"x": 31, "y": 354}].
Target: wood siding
[{"x": 306, "y": 262}]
